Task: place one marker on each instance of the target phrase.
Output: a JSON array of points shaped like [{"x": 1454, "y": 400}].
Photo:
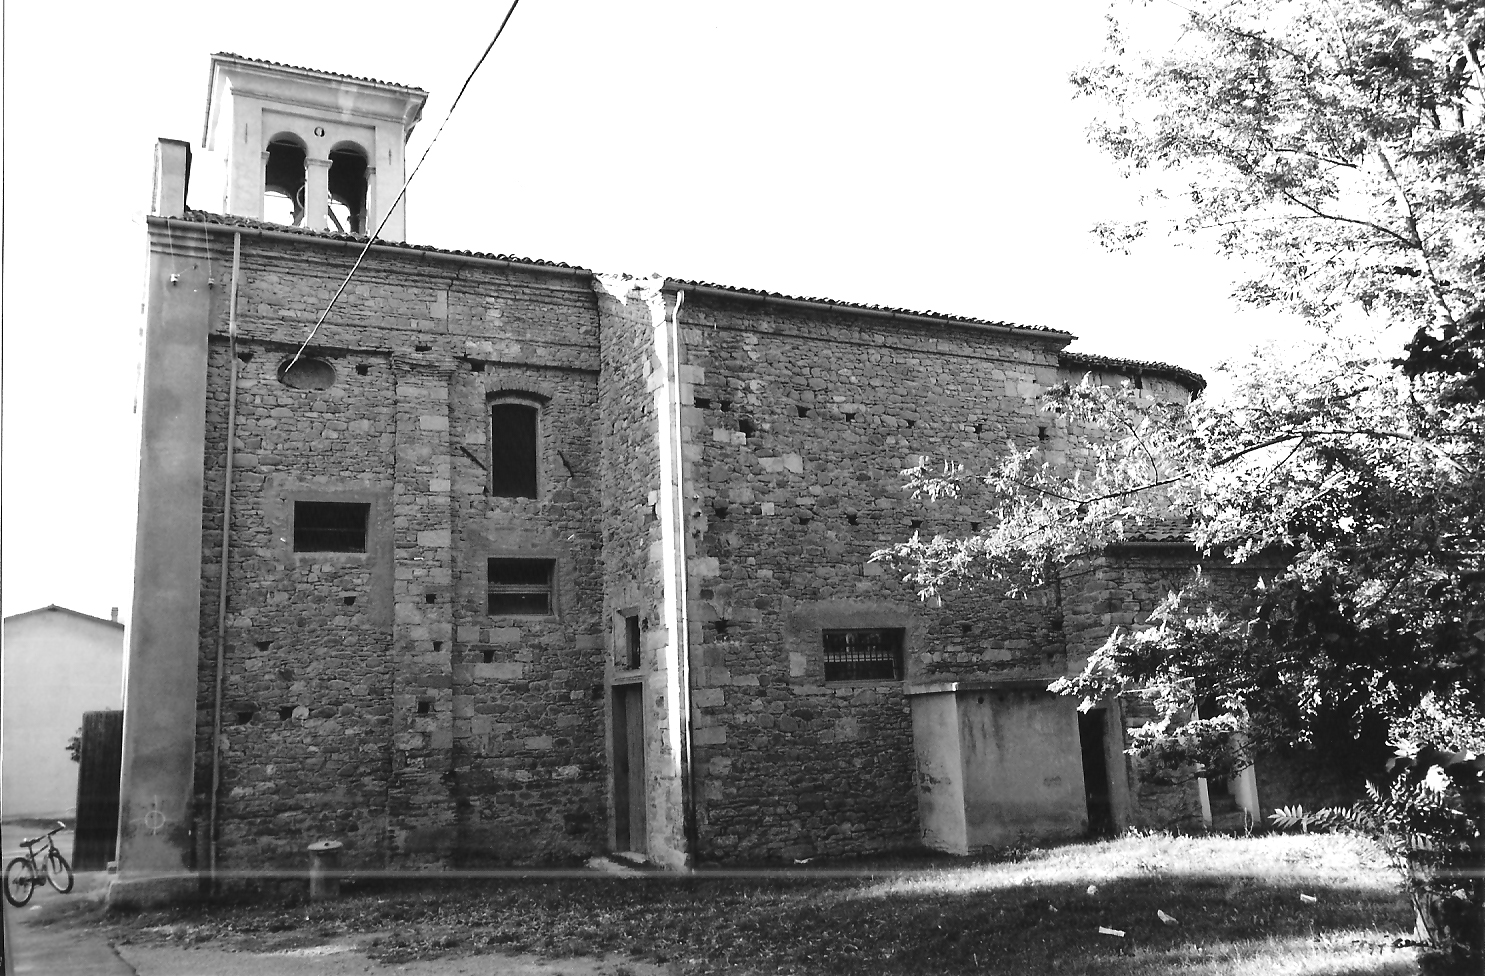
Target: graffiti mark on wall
[{"x": 154, "y": 819}]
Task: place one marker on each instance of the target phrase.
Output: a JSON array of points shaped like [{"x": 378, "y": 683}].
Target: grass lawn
[{"x": 1241, "y": 906}]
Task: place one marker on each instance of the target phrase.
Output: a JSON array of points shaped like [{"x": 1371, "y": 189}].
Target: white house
[{"x": 57, "y": 663}]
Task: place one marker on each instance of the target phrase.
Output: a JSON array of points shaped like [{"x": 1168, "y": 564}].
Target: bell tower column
[
  {"x": 373, "y": 215},
  {"x": 316, "y": 192},
  {"x": 262, "y": 181}
]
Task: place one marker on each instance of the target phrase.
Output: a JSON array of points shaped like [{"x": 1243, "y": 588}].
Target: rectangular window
[
  {"x": 330, "y": 526},
  {"x": 513, "y": 450},
  {"x": 862, "y": 655},
  {"x": 520, "y": 587},
  {"x": 631, "y": 641}
]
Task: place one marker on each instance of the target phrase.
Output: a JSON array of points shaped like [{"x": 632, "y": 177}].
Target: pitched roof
[
  {"x": 74, "y": 613},
  {"x": 227, "y": 220},
  {"x": 858, "y": 306},
  {"x": 1194, "y": 382},
  {"x": 316, "y": 71}
]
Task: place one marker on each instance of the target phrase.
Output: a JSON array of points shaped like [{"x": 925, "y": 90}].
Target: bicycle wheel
[
  {"x": 20, "y": 880},
  {"x": 58, "y": 872}
]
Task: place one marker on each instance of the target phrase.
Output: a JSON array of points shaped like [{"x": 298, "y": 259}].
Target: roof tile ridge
[{"x": 317, "y": 71}]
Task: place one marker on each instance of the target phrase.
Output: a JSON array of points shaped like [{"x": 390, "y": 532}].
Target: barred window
[
  {"x": 631, "y": 641},
  {"x": 330, "y": 526},
  {"x": 520, "y": 587},
  {"x": 859, "y": 655}
]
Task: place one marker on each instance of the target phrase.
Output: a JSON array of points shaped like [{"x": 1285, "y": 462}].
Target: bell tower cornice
[{"x": 314, "y": 91}]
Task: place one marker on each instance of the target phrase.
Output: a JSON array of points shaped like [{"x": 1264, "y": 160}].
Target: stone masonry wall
[
  {"x": 634, "y": 397},
  {"x": 308, "y": 655},
  {"x": 804, "y": 420},
  {"x": 369, "y": 697},
  {"x": 530, "y": 772},
  {"x": 1119, "y": 590}
]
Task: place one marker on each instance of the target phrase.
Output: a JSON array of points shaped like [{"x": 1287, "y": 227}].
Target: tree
[
  {"x": 1370, "y": 494},
  {"x": 1339, "y": 148},
  {"x": 1335, "y": 461}
]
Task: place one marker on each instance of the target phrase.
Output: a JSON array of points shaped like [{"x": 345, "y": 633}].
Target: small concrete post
[{"x": 324, "y": 870}]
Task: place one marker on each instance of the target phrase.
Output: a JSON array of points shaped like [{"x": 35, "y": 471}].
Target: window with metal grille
[
  {"x": 513, "y": 460},
  {"x": 631, "y": 641},
  {"x": 859, "y": 655},
  {"x": 520, "y": 587},
  {"x": 330, "y": 526}
]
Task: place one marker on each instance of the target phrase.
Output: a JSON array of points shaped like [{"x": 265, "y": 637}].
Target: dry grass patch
[{"x": 1237, "y": 905}]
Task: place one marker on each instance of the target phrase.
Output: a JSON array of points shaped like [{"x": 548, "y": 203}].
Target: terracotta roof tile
[
  {"x": 1194, "y": 382},
  {"x": 970, "y": 320},
  {"x": 203, "y": 217},
  {"x": 315, "y": 71}
]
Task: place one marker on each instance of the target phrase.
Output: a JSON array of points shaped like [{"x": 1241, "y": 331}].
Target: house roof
[
  {"x": 1194, "y": 382},
  {"x": 316, "y": 71},
  {"x": 858, "y": 306},
  {"x": 75, "y": 613},
  {"x": 227, "y": 220}
]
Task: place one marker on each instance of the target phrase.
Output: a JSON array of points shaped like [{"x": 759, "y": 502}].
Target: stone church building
[{"x": 518, "y": 563}]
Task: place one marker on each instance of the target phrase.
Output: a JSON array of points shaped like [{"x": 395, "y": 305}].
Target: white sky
[{"x": 925, "y": 155}]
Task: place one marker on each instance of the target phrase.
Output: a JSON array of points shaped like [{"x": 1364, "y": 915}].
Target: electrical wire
[{"x": 402, "y": 192}]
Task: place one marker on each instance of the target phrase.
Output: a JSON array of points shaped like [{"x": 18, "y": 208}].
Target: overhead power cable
[{"x": 402, "y": 192}]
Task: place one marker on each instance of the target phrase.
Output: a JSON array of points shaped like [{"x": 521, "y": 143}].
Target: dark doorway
[
  {"x": 1092, "y": 733},
  {"x": 99, "y": 760},
  {"x": 630, "y": 826}
]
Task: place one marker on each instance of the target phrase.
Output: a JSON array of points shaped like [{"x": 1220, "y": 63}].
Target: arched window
[
  {"x": 348, "y": 189},
  {"x": 515, "y": 445},
  {"x": 283, "y": 181}
]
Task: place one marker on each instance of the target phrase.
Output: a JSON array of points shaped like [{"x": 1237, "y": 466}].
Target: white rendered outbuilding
[{"x": 57, "y": 664}]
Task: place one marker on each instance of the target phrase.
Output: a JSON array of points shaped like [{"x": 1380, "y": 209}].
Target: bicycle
[{"x": 23, "y": 875}]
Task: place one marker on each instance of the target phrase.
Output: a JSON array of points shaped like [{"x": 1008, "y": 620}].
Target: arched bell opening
[
  {"x": 347, "y": 210},
  {"x": 284, "y": 181}
]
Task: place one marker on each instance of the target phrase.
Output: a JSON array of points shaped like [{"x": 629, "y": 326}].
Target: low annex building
[{"x": 521, "y": 563}]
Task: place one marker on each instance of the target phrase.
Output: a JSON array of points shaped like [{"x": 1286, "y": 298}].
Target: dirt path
[{"x": 346, "y": 958}]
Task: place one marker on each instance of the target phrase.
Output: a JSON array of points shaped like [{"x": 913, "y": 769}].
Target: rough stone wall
[
  {"x": 530, "y": 770},
  {"x": 308, "y": 657},
  {"x": 371, "y": 698},
  {"x": 804, "y": 420},
  {"x": 643, "y": 561},
  {"x": 1119, "y": 590},
  {"x": 1151, "y": 385},
  {"x": 1307, "y": 778},
  {"x": 418, "y": 812}
]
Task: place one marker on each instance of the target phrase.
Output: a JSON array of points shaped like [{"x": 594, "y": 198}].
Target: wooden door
[
  {"x": 630, "y": 821},
  {"x": 96, "y": 841}
]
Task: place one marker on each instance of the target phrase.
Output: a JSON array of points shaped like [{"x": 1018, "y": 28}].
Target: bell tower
[{"x": 310, "y": 148}]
